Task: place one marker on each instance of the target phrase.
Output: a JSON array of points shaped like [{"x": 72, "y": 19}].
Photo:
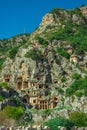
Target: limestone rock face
[
  {"x": 47, "y": 19},
  {"x": 84, "y": 10},
  {"x": 77, "y": 19}
]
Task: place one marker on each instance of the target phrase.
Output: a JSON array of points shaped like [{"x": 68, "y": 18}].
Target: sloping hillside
[{"x": 48, "y": 68}]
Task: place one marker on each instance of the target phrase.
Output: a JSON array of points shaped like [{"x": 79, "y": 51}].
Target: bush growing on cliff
[
  {"x": 75, "y": 11},
  {"x": 3, "y": 119},
  {"x": 1, "y": 98},
  {"x": 79, "y": 118},
  {"x": 69, "y": 91},
  {"x": 79, "y": 93},
  {"x": 11, "y": 115},
  {"x": 56, "y": 35},
  {"x": 63, "y": 53},
  {"x": 76, "y": 34},
  {"x": 42, "y": 41},
  {"x": 2, "y": 60},
  {"x": 60, "y": 91},
  {"x": 33, "y": 54},
  {"x": 4, "y": 85},
  {"x": 76, "y": 76},
  {"x": 77, "y": 86},
  {"x": 59, "y": 121},
  {"x": 13, "y": 112},
  {"x": 13, "y": 52},
  {"x": 56, "y": 11},
  {"x": 63, "y": 79},
  {"x": 47, "y": 112}
]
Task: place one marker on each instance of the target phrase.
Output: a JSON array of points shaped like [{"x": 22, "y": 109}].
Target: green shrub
[
  {"x": 75, "y": 11},
  {"x": 63, "y": 79},
  {"x": 13, "y": 112},
  {"x": 68, "y": 29},
  {"x": 56, "y": 35},
  {"x": 47, "y": 112},
  {"x": 1, "y": 98},
  {"x": 4, "y": 49},
  {"x": 79, "y": 51},
  {"x": 4, "y": 85},
  {"x": 63, "y": 53},
  {"x": 59, "y": 121},
  {"x": 25, "y": 45},
  {"x": 49, "y": 93},
  {"x": 69, "y": 91},
  {"x": 56, "y": 11},
  {"x": 79, "y": 118},
  {"x": 2, "y": 60},
  {"x": 76, "y": 76},
  {"x": 79, "y": 42},
  {"x": 78, "y": 93},
  {"x": 78, "y": 87},
  {"x": 60, "y": 90},
  {"x": 50, "y": 27},
  {"x": 2, "y": 118},
  {"x": 33, "y": 54},
  {"x": 13, "y": 52},
  {"x": 42, "y": 41}
]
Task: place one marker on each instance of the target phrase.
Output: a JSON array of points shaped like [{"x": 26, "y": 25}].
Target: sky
[{"x": 19, "y": 16}]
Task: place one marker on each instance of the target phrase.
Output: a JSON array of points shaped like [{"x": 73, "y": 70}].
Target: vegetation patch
[
  {"x": 47, "y": 112},
  {"x": 42, "y": 41},
  {"x": 79, "y": 118},
  {"x": 60, "y": 90},
  {"x": 2, "y": 60},
  {"x": 56, "y": 11},
  {"x": 13, "y": 52},
  {"x": 4, "y": 85},
  {"x": 50, "y": 26},
  {"x": 75, "y": 11},
  {"x": 73, "y": 33},
  {"x": 59, "y": 121},
  {"x": 11, "y": 115},
  {"x": 1, "y": 98},
  {"x": 56, "y": 35},
  {"x": 63, "y": 80},
  {"x": 78, "y": 87},
  {"x": 63, "y": 53},
  {"x": 76, "y": 76},
  {"x": 33, "y": 54},
  {"x": 12, "y": 112}
]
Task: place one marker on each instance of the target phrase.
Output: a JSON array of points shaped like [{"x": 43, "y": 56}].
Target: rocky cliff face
[{"x": 51, "y": 62}]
